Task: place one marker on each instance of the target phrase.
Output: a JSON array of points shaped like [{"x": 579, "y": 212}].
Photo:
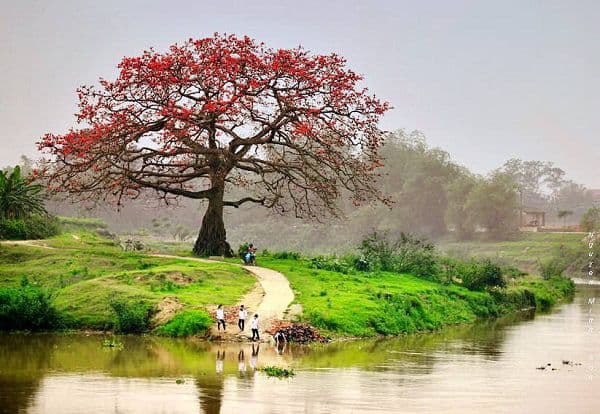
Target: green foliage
[
  {"x": 81, "y": 224},
  {"x": 27, "y": 307},
  {"x": 273, "y": 371},
  {"x": 409, "y": 254},
  {"x": 457, "y": 214},
  {"x": 330, "y": 263},
  {"x": 130, "y": 316},
  {"x": 553, "y": 267},
  {"x": 475, "y": 274},
  {"x": 590, "y": 221},
  {"x": 286, "y": 255},
  {"x": 32, "y": 227},
  {"x": 186, "y": 323},
  {"x": 492, "y": 204},
  {"x": 243, "y": 249},
  {"x": 19, "y": 198}
]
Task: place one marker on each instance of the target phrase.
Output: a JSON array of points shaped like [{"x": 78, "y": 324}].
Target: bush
[
  {"x": 243, "y": 249},
  {"x": 553, "y": 267},
  {"x": 409, "y": 254},
  {"x": 590, "y": 221},
  {"x": 285, "y": 255},
  {"x": 476, "y": 274},
  {"x": 186, "y": 323},
  {"x": 331, "y": 263},
  {"x": 33, "y": 227},
  {"x": 27, "y": 308},
  {"x": 80, "y": 223},
  {"x": 130, "y": 317}
]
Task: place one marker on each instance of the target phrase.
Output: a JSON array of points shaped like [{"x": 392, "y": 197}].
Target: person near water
[
  {"x": 242, "y": 317},
  {"x": 279, "y": 338},
  {"x": 220, "y": 318},
  {"x": 280, "y": 342},
  {"x": 254, "y": 326}
]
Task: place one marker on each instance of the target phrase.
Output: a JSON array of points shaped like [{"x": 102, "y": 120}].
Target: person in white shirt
[
  {"x": 220, "y": 318},
  {"x": 254, "y": 326},
  {"x": 242, "y": 318}
]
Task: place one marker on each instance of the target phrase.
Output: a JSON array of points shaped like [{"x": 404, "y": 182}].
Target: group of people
[
  {"x": 242, "y": 315},
  {"x": 279, "y": 336}
]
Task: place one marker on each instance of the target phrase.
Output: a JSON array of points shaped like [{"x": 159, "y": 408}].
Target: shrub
[
  {"x": 33, "y": 227},
  {"x": 409, "y": 254},
  {"x": 480, "y": 275},
  {"x": 590, "y": 220},
  {"x": 186, "y": 323},
  {"x": 330, "y": 263},
  {"x": 552, "y": 267},
  {"x": 80, "y": 223},
  {"x": 242, "y": 249},
  {"x": 27, "y": 308},
  {"x": 130, "y": 317},
  {"x": 285, "y": 255}
]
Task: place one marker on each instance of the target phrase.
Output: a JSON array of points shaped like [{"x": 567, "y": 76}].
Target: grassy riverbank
[
  {"x": 385, "y": 303},
  {"x": 90, "y": 280},
  {"x": 526, "y": 252}
]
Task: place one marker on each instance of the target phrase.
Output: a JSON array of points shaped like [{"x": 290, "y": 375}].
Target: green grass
[
  {"x": 368, "y": 304},
  {"x": 84, "y": 272},
  {"x": 186, "y": 323},
  {"x": 526, "y": 252}
]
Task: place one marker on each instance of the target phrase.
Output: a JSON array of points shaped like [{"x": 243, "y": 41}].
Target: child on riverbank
[
  {"x": 254, "y": 326},
  {"x": 242, "y": 318},
  {"x": 220, "y": 318}
]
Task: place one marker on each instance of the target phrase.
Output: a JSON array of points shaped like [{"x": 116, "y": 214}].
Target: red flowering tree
[{"x": 294, "y": 130}]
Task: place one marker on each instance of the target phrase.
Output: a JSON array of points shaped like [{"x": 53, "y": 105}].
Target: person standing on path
[
  {"x": 220, "y": 318},
  {"x": 242, "y": 318},
  {"x": 254, "y": 326}
]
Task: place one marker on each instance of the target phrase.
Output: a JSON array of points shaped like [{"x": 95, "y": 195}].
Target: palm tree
[
  {"x": 19, "y": 198},
  {"x": 562, "y": 214}
]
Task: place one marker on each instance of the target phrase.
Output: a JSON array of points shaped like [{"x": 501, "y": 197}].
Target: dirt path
[
  {"x": 32, "y": 243},
  {"x": 270, "y": 298}
]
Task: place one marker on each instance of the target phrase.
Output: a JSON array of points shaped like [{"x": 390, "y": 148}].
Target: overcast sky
[{"x": 485, "y": 80}]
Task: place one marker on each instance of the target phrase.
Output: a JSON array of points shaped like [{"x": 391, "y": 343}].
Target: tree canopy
[{"x": 292, "y": 128}]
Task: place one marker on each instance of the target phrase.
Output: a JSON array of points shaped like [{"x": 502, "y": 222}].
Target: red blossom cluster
[{"x": 292, "y": 126}]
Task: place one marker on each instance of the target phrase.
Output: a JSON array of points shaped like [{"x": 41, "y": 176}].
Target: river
[{"x": 492, "y": 366}]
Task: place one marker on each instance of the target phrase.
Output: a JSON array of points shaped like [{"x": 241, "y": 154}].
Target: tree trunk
[{"x": 212, "y": 240}]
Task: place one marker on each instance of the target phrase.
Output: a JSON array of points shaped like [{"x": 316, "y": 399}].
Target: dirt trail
[
  {"x": 32, "y": 243},
  {"x": 270, "y": 298}
]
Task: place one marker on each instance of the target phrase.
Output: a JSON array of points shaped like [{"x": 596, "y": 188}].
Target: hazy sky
[{"x": 485, "y": 80}]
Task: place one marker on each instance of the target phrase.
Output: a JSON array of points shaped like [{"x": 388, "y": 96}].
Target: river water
[{"x": 485, "y": 368}]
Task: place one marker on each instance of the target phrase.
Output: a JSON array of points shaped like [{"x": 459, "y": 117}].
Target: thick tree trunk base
[
  {"x": 212, "y": 239},
  {"x": 212, "y": 248}
]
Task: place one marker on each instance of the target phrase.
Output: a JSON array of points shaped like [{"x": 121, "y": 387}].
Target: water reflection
[{"x": 461, "y": 367}]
